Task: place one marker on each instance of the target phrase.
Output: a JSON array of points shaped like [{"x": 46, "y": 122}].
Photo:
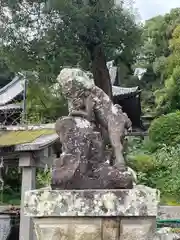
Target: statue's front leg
[
  {"x": 118, "y": 150},
  {"x": 119, "y": 158},
  {"x": 115, "y": 134}
]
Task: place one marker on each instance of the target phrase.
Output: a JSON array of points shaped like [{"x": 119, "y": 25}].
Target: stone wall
[{"x": 169, "y": 212}]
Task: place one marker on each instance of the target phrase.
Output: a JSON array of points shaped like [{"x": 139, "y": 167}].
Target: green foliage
[
  {"x": 170, "y": 99},
  {"x": 157, "y": 33},
  {"x": 150, "y": 146},
  {"x": 43, "y": 105},
  {"x": 159, "y": 65},
  {"x": 155, "y": 40},
  {"x": 43, "y": 178},
  {"x": 160, "y": 52},
  {"x": 5, "y": 74},
  {"x": 148, "y": 78},
  {"x": 165, "y": 129},
  {"x": 11, "y": 192},
  {"x": 168, "y": 171},
  {"x": 141, "y": 162},
  {"x": 63, "y": 31},
  {"x": 53, "y": 34},
  {"x": 167, "y": 97},
  {"x": 160, "y": 169}
]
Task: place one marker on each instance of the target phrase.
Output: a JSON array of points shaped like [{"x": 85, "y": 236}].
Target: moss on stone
[{"x": 10, "y": 138}]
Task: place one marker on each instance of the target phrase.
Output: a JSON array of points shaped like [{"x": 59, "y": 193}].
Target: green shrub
[
  {"x": 168, "y": 170},
  {"x": 150, "y": 146},
  {"x": 160, "y": 170},
  {"x": 141, "y": 162},
  {"x": 166, "y": 129},
  {"x": 43, "y": 178}
]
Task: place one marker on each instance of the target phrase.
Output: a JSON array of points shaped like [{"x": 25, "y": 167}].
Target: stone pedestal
[{"x": 93, "y": 214}]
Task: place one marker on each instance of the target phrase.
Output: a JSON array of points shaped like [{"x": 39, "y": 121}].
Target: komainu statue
[{"x": 83, "y": 163}]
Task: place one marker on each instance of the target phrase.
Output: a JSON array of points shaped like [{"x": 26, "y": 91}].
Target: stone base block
[
  {"x": 95, "y": 228},
  {"x": 93, "y": 214}
]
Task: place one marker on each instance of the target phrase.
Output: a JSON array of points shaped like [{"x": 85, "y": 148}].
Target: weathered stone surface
[
  {"x": 68, "y": 228},
  {"x": 5, "y": 226},
  {"x": 166, "y": 234},
  {"x": 83, "y": 162},
  {"x": 83, "y": 95},
  {"x": 169, "y": 212},
  {"x": 80, "y": 228},
  {"x": 110, "y": 228},
  {"x": 140, "y": 201},
  {"x": 138, "y": 229}
]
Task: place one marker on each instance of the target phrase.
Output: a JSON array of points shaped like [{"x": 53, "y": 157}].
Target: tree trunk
[{"x": 100, "y": 70}]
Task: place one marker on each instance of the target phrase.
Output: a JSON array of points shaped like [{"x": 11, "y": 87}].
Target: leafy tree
[
  {"x": 159, "y": 67},
  {"x": 43, "y": 35},
  {"x": 157, "y": 33},
  {"x": 43, "y": 105},
  {"x": 169, "y": 97},
  {"x": 165, "y": 129},
  {"x": 155, "y": 39},
  {"x": 5, "y": 74},
  {"x": 158, "y": 54}
]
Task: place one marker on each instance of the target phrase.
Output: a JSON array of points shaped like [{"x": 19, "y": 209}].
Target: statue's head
[{"x": 73, "y": 80}]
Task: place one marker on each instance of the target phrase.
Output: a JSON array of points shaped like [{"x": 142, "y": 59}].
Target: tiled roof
[
  {"x": 13, "y": 106},
  {"x": 11, "y": 90},
  {"x": 116, "y": 89}
]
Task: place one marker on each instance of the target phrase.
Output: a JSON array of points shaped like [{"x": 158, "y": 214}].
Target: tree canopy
[
  {"x": 42, "y": 36},
  {"x": 159, "y": 54}
]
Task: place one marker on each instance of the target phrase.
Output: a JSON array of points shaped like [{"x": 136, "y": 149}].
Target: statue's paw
[
  {"x": 121, "y": 167},
  {"x": 133, "y": 174}
]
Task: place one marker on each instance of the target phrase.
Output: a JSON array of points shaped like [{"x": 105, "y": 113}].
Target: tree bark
[{"x": 100, "y": 70}]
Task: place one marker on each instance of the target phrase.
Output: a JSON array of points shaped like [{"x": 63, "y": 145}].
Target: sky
[{"x": 151, "y": 8}]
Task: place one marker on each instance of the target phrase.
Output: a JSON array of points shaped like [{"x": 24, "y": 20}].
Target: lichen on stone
[
  {"x": 140, "y": 201},
  {"x": 83, "y": 164}
]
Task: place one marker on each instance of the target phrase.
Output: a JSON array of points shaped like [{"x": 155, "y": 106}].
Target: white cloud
[{"x": 151, "y": 8}]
